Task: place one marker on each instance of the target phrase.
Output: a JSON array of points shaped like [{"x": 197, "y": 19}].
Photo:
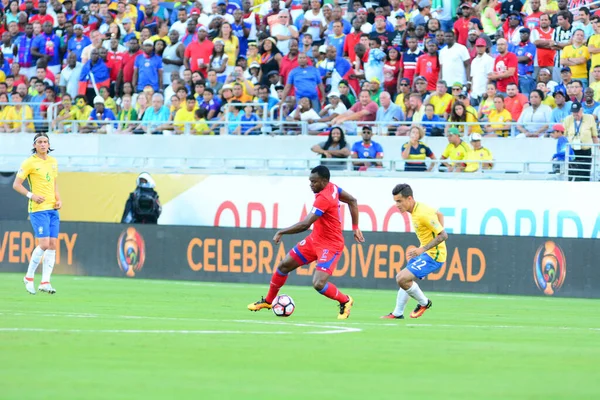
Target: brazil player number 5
[{"x": 41, "y": 172}]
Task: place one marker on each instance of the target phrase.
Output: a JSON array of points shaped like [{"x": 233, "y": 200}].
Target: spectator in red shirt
[
  {"x": 515, "y": 102},
  {"x": 126, "y": 71},
  {"x": 352, "y": 39},
  {"x": 428, "y": 65},
  {"x": 505, "y": 67},
  {"x": 197, "y": 54},
  {"x": 42, "y": 17},
  {"x": 461, "y": 26},
  {"x": 365, "y": 109}
]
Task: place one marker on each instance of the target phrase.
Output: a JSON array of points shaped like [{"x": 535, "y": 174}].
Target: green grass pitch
[{"x": 101, "y": 338}]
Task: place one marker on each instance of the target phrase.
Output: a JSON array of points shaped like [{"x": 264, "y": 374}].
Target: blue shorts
[
  {"x": 423, "y": 265},
  {"x": 45, "y": 223}
]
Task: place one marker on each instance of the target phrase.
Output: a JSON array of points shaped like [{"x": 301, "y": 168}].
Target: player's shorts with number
[
  {"x": 308, "y": 251},
  {"x": 45, "y": 223},
  {"x": 423, "y": 265}
]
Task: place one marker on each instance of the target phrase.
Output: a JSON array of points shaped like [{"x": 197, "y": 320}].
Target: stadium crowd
[{"x": 232, "y": 66}]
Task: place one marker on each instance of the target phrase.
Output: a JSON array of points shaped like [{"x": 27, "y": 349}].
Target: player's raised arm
[
  {"x": 347, "y": 198},
  {"x": 298, "y": 227}
]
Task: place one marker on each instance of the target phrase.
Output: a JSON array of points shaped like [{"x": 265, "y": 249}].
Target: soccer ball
[{"x": 283, "y": 306}]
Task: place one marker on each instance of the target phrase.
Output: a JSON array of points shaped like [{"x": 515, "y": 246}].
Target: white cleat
[
  {"x": 47, "y": 288},
  {"x": 29, "y": 285}
]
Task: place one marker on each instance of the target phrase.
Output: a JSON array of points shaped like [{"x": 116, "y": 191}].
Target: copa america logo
[
  {"x": 131, "y": 251},
  {"x": 549, "y": 268}
]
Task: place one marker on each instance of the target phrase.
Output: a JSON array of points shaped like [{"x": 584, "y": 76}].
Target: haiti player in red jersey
[{"x": 324, "y": 245}]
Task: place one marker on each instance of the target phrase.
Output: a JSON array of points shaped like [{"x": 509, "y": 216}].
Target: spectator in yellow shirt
[
  {"x": 548, "y": 99},
  {"x": 455, "y": 152},
  {"x": 461, "y": 115},
  {"x": 478, "y": 153},
  {"x": 576, "y": 56},
  {"x": 17, "y": 113},
  {"x": 185, "y": 115},
  {"x": 498, "y": 118},
  {"x": 200, "y": 126},
  {"x": 108, "y": 101},
  {"x": 440, "y": 99},
  {"x": 596, "y": 78}
]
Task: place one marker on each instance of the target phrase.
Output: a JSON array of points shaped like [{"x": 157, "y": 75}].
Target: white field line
[
  {"x": 329, "y": 329},
  {"x": 332, "y": 327}
]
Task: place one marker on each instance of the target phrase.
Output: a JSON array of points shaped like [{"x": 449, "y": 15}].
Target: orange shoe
[
  {"x": 420, "y": 310},
  {"x": 391, "y": 316},
  {"x": 345, "y": 308},
  {"x": 259, "y": 305}
]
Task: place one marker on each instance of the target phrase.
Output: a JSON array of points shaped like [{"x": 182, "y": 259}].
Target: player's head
[
  {"x": 319, "y": 178},
  {"x": 41, "y": 144},
  {"x": 403, "y": 196}
]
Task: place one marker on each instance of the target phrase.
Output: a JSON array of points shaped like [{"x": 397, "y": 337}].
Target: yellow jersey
[
  {"x": 427, "y": 227},
  {"x": 481, "y": 154},
  {"x": 579, "y": 71},
  {"x": 14, "y": 117},
  {"x": 440, "y": 103},
  {"x": 498, "y": 120},
  {"x": 596, "y": 87},
  {"x": 594, "y": 41},
  {"x": 201, "y": 126},
  {"x": 182, "y": 116},
  {"x": 41, "y": 176},
  {"x": 456, "y": 153}
]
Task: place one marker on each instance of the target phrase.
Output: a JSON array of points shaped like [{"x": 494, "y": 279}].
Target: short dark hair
[
  {"x": 190, "y": 98},
  {"x": 539, "y": 92},
  {"x": 402, "y": 189},
  {"x": 321, "y": 171}
]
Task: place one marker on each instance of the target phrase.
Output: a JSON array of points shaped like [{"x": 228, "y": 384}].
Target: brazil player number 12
[{"x": 41, "y": 172}]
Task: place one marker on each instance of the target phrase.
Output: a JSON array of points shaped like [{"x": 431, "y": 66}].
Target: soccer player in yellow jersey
[
  {"x": 41, "y": 172},
  {"x": 428, "y": 258}
]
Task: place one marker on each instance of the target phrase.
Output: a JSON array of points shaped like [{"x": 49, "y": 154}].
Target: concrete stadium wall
[{"x": 476, "y": 264}]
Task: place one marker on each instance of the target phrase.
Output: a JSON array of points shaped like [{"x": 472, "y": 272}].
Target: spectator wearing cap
[
  {"x": 455, "y": 152},
  {"x": 558, "y": 131},
  {"x": 333, "y": 68},
  {"x": 563, "y": 106},
  {"x": 424, "y": 13},
  {"x": 562, "y": 38},
  {"x": 543, "y": 39},
  {"x": 399, "y": 23},
  {"x": 479, "y": 157},
  {"x": 374, "y": 87},
  {"x": 409, "y": 58},
  {"x": 533, "y": 121},
  {"x": 273, "y": 79},
  {"x": 505, "y": 67},
  {"x": 361, "y": 16},
  {"x": 380, "y": 31},
  {"x": 576, "y": 56},
  {"x": 481, "y": 66},
  {"x": 366, "y": 149},
  {"x": 512, "y": 30},
  {"x": 582, "y": 132},
  {"x": 77, "y": 43},
  {"x": 332, "y": 110},
  {"x": 565, "y": 79},
  {"x": 100, "y": 113},
  {"x": 461, "y": 26},
  {"x": 476, "y": 25},
  {"x": 421, "y": 88},
  {"x": 270, "y": 57},
  {"x": 388, "y": 112},
  {"x": 440, "y": 99},
  {"x": 455, "y": 60},
  {"x": 525, "y": 52},
  {"x": 197, "y": 54},
  {"x": 148, "y": 69},
  {"x": 304, "y": 78},
  {"x": 428, "y": 65},
  {"x": 404, "y": 87}
]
